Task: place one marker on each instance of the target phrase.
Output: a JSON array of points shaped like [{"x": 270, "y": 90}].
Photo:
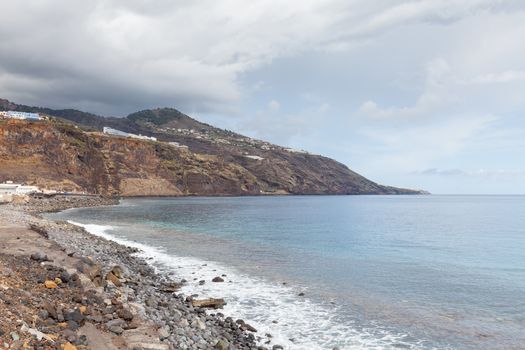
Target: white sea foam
[{"x": 294, "y": 322}]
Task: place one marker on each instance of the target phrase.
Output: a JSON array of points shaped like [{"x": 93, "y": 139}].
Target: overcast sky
[{"x": 422, "y": 94}]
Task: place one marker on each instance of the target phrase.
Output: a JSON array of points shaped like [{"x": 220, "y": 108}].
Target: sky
[{"x": 425, "y": 94}]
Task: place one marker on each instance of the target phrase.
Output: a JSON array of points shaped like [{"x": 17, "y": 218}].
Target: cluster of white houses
[
  {"x": 115, "y": 132},
  {"x": 20, "y": 115},
  {"x": 8, "y": 190}
]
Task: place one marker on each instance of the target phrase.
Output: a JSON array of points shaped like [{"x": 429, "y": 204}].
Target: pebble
[{"x": 50, "y": 284}]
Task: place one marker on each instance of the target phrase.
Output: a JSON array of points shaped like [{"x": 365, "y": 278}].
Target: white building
[
  {"x": 8, "y": 189},
  {"x": 116, "y": 132},
  {"x": 20, "y": 115},
  {"x": 17, "y": 189},
  {"x": 142, "y": 137},
  {"x": 177, "y": 145}
]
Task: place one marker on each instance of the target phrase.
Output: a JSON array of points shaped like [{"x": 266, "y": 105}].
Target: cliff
[{"x": 69, "y": 152}]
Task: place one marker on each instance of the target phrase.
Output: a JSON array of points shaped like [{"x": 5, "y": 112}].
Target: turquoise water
[{"x": 377, "y": 271}]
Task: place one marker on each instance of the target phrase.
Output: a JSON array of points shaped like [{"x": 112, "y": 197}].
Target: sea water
[{"x": 354, "y": 272}]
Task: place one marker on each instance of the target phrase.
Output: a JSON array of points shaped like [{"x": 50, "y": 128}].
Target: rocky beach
[{"x": 63, "y": 288}]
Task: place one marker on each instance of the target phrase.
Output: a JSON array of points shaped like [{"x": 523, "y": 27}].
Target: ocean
[{"x": 353, "y": 272}]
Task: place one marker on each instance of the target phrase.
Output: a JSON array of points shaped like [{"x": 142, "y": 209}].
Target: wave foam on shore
[{"x": 293, "y": 322}]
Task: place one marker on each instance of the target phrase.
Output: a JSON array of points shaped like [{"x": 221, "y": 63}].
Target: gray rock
[
  {"x": 39, "y": 257},
  {"x": 164, "y": 333},
  {"x": 116, "y": 329}
]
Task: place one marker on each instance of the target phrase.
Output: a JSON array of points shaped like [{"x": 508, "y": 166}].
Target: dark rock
[
  {"x": 65, "y": 277},
  {"x": 218, "y": 279},
  {"x": 74, "y": 315},
  {"x": 43, "y": 314},
  {"x": 50, "y": 310},
  {"x": 39, "y": 257},
  {"x": 125, "y": 314},
  {"x": 72, "y": 325}
]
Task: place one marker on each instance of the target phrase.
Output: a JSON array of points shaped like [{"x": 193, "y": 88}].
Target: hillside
[{"x": 69, "y": 152}]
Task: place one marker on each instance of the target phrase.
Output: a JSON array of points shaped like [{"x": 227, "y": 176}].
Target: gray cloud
[{"x": 114, "y": 57}]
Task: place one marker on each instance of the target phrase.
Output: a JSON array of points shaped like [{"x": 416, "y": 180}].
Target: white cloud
[{"x": 417, "y": 146}]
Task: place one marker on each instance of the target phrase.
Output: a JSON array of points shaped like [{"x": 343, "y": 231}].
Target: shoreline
[{"x": 123, "y": 302}]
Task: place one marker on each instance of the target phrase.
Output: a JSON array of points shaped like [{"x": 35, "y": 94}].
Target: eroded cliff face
[{"x": 59, "y": 155}]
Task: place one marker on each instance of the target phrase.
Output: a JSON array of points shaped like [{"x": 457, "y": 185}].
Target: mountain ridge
[{"x": 190, "y": 158}]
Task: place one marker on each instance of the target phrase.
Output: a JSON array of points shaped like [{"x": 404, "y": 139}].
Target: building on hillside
[
  {"x": 115, "y": 132},
  {"x": 10, "y": 188},
  {"x": 177, "y": 145},
  {"x": 20, "y": 115},
  {"x": 142, "y": 137}
]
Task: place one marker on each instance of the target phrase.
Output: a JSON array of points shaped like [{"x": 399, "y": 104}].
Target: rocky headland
[
  {"x": 169, "y": 154},
  {"x": 63, "y": 288}
]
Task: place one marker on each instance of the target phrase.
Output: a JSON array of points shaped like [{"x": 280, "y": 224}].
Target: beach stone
[
  {"x": 74, "y": 315},
  {"x": 277, "y": 347},
  {"x": 43, "y": 314},
  {"x": 222, "y": 345},
  {"x": 125, "y": 314},
  {"x": 39, "y": 257},
  {"x": 118, "y": 271},
  {"x": 116, "y": 329},
  {"x": 164, "y": 333},
  {"x": 217, "y": 279},
  {"x": 249, "y": 328},
  {"x": 110, "y": 276},
  {"x": 65, "y": 277},
  {"x": 151, "y": 302},
  {"x": 69, "y": 346},
  {"x": 73, "y": 325},
  {"x": 198, "y": 324},
  {"x": 50, "y": 309},
  {"x": 50, "y": 284},
  {"x": 70, "y": 335},
  {"x": 116, "y": 322}
]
